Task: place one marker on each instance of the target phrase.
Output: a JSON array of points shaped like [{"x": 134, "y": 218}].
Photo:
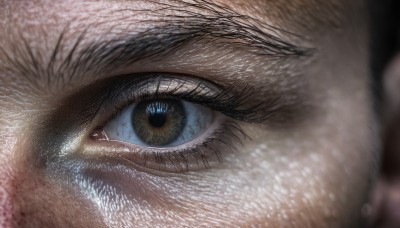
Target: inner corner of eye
[{"x": 158, "y": 123}]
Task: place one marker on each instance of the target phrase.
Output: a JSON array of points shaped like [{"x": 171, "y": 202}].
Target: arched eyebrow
[{"x": 173, "y": 27}]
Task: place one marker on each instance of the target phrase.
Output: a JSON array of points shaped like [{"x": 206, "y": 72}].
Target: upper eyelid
[{"x": 132, "y": 86}]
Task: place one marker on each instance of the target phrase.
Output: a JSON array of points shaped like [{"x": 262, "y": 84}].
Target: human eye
[{"x": 174, "y": 123}]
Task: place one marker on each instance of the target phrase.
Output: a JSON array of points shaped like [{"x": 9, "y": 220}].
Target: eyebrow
[{"x": 204, "y": 21}]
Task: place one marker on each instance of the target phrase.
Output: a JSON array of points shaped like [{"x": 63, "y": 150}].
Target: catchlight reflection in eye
[{"x": 159, "y": 123}]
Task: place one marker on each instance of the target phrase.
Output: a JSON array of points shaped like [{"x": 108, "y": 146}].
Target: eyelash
[{"x": 226, "y": 101}]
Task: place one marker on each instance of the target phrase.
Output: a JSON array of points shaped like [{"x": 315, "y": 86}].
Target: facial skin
[{"x": 309, "y": 165}]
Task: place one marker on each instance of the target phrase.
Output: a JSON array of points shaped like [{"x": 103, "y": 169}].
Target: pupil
[{"x": 158, "y": 118}]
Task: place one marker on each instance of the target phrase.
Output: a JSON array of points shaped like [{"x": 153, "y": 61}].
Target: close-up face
[{"x": 185, "y": 113}]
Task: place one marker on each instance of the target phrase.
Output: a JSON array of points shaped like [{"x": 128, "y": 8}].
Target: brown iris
[{"x": 158, "y": 122}]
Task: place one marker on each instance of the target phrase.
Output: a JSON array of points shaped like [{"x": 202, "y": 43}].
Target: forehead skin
[
  {"x": 302, "y": 15},
  {"x": 336, "y": 147}
]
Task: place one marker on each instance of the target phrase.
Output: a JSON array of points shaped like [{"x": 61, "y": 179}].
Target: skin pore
[{"x": 309, "y": 164}]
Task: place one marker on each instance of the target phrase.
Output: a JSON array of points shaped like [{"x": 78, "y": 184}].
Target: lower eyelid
[
  {"x": 218, "y": 120},
  {"x": 222, "y": 138}
]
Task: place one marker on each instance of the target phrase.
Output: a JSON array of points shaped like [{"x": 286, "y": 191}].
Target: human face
[{"x": 281, "y": 88}]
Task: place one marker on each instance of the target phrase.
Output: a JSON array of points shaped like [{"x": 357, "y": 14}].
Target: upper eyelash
[
  {"x": 233, "y": 104},
  {"x": 228, "y": 101}
]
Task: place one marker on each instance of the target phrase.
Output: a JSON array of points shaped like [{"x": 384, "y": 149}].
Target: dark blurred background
[{"x": 385, "y": 46}]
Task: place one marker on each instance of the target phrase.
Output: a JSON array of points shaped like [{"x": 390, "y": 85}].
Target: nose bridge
[
  {"x": 13, "y": 122},
  {"x": 20, "y": 186}
]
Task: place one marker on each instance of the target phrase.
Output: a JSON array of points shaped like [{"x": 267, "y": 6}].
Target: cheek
[{"x": 317, "y": 174}]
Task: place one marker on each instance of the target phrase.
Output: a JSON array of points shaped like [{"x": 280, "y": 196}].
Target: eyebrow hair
[{"x": 176, "y": 26}]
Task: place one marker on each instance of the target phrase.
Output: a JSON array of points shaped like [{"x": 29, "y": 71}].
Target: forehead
[{"x": 307, "y": 14}]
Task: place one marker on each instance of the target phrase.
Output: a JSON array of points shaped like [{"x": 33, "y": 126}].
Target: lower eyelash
[{"x": 200, "y": 156}]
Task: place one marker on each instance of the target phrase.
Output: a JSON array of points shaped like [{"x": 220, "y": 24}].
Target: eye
[
  {"x": 159, "y": 123},
  {"x": 171, "y": 124}
]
